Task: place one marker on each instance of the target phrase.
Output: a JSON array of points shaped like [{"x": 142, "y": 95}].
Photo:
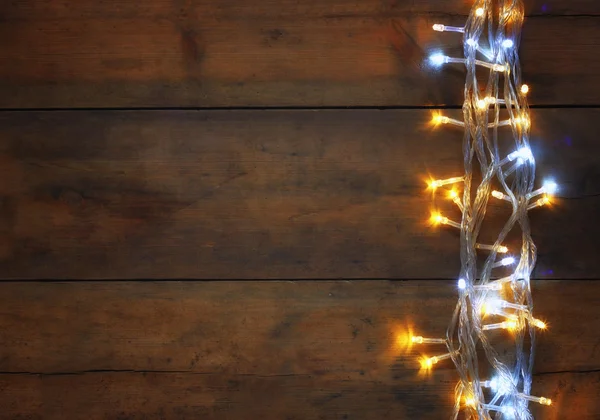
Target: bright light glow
[
  {"x": 437, "y": 219},
  {"x": 437, "y": 59},
  {"x": 523, "y": 122},
  {"x": 539, "y": 400},
  {"x": 510, "y": 325},
  {"x": 471, "y": 42},
  {"x": 522, "y": 153},
  {"x": 428, "y": 362},
  {"x": 508, "y": 43},
  {"x": 436, "y": 183},
  {"x": 550, "y": 187},
  {"x": 482, "y": 104},
  {"x": 440, "y": 119},
  {"x": 479, "y": 11},
  {"x": 538, "y": 323},
  {"x": 544, "y": 201},
  {"x": 438, "y": 27},
  {"x": 462, "y": 284},
  {"x": 507, "y": 261},
  {"x": 524, "y": 89},
  {"x": 501, "y": 385}
]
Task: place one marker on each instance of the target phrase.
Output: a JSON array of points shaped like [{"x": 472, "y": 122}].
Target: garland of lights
[{"x": 494, "y": 294}]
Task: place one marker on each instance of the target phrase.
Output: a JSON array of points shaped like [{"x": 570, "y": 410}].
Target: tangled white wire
[{"x": 494, "y": 294}]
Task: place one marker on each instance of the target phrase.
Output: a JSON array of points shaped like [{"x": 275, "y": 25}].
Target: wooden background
[{"x": 214, "y": 209}]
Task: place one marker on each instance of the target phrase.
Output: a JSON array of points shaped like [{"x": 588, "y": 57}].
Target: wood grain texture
[
  {"x": 278, "y": 194},
  {"x": 269, "y": 53},
  {"x": 244, "y": 350}
]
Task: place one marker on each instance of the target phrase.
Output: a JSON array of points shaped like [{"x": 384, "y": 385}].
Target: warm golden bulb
[
  {"x": 433, "y": 184},
  {"x": 452, "y": 194},
  {"x": 538, "y": 323},
  {"x": 482, "y": 104},
  {"x": 416, "y": 339},
  {"x": 440, "y": 119},
  {"x": 524, "y": 89},
  {"x": 511, "y": 325},
  {"x": 502, "y": 249},
  {"x": 545, "y": 199},
  {"x": 522, "y": 121},
  {"x": 479, "y": 11},
  {"x": 545, "y": 401},
  {"x": 427, "y": 363},
  {"x": 470, "y": 402},
  {"x": 437, "y": 218}
]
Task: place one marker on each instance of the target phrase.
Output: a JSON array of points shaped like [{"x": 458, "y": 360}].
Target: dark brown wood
[
  {"x": 255, "y": 194},
  {"x": 276, "y": 350},
  {"x": 179, "y": 396},
  {"x": 270, "y": 53}
]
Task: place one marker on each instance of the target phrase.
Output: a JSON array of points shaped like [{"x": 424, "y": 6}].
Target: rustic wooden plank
[
  {"x": 227, "y": 9},
  {"x": 271, "y": 194},
  {"x": 261, "y": 349},
  {"x": 173, "y": 396},
  {"x": 266, "y": 53}
]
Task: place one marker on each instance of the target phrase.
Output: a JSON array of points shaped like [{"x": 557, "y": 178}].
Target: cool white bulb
[
  {"x": 524, "y": 153},
  {"x": 462, "y": 284},
  {"x": 507, "y": 261},
  {"x": 437, "y": 59},
  {"x": 550, "y": 186},
  {"x": 508, "y": 43}
]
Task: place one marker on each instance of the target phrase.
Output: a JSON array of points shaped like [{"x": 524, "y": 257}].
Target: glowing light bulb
[
  {"x": 523, "y": 153},
  {"x": 550, "y": 186},
  {"x": 470, "y": 402},
  {"x": 436, "y": 183},
  {"x": 507, "y": 261},
  {"x": 524, "y": 89},
  {"x": 417, "y": 339},
  {"x": 510, "y": 325},
  {"x": 437, "y": 219},
  {"x": 508, "y": 43},
  {"x": 523, "y": 122},
  {"x": 428, "y": 362},
  {"x": 472, "y": 43},
  {"x": 438, "y": 59},
  {"x": 479, "y": 12},
  {"x": 438, "y": 27},
  {"x": 539, "y": 400},
  {"x": 538, "y": 323},
  {"x": 544, "y": 201},
  {"x": 462, "y": 284},
  {"x": 440, "y": 119},
  {"x": 482, "y": 104},
  {"x": 504, "y": 262}
]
